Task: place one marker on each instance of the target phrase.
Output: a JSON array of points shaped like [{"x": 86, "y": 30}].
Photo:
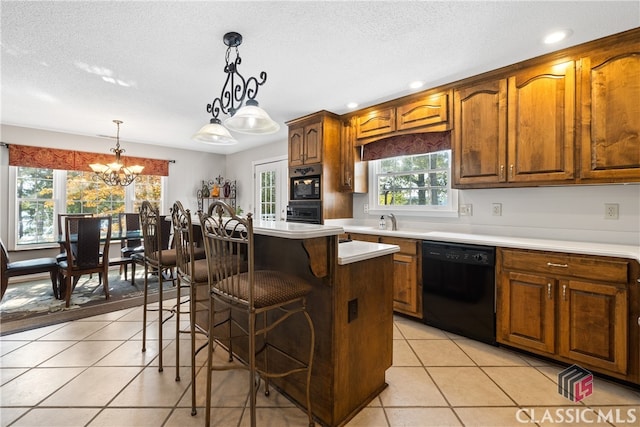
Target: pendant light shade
[
  {"x": 252, "y": 119},
  {"x": 214, "y": 133}
]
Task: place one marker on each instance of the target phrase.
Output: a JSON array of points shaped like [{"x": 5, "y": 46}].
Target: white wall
[
  {"x": 570, "y": 213},
  {"x": 239, "y": 168}
]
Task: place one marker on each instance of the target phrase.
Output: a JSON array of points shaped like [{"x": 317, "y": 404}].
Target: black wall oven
[
  {"x": 305, "y": 183},
  {"x": 459, "y": 289},
  {"x": 305, "y": 211}
]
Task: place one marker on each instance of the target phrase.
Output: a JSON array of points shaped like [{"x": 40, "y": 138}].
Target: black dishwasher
[{"x": 459, "y": 289}]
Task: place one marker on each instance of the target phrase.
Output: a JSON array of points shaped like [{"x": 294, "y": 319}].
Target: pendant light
[{"x": 248, "y": 118}]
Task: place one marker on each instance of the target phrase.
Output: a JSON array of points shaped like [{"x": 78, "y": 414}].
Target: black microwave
[{"x": 305, "y": 188}]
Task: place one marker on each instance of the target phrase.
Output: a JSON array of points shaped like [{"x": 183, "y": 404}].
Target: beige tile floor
[{"x": 91, "y": 372}]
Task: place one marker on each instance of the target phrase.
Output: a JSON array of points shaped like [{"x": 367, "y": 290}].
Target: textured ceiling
[{"x": 75, "y": 66}]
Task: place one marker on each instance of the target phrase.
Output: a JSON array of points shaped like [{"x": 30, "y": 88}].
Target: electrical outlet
[
  {"x": 610, "y": 211},
  {"x": 366, "y": 208},
  {"x": 466, "y": 210},
  {"x": 496, "y": 209}
]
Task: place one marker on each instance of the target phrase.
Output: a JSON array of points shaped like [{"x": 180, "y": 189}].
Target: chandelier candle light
[
  {"x": 250, "y": 119},
  {"x": 116, "y": 173}
]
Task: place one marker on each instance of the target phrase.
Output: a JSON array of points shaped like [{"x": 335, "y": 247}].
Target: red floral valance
[
  {"x": 407, "y": 145},
  {"x": 42, "y": 157}
]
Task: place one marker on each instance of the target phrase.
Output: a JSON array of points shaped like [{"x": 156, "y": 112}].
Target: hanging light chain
[{"x": 236, "y": 88}]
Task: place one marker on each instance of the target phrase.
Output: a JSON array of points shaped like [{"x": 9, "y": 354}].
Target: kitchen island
[{"x": 352, "y": 311}]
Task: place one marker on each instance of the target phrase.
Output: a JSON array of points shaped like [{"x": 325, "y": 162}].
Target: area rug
[{"x": 32, "y": 304}]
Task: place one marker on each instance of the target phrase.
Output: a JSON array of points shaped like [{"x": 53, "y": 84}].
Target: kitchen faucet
[{"x": 394, "y": 223}]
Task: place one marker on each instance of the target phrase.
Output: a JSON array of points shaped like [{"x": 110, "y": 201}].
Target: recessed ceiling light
[
  {"x": 352, "y": 105},
  {"x": 556, "y": 36},
  {"x": 415, "y": 85}
]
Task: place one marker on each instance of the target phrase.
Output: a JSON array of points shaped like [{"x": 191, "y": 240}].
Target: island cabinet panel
[
  {"x": 610, "y": 114},
  {"x": 573, "y": 308}
]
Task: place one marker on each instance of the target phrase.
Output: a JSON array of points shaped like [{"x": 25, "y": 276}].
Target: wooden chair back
[{"x": 87, "y": 248}]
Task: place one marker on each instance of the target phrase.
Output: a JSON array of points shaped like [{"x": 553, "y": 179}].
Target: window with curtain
[
  {"x": 411, "y": 174},
  {"x": 417, "y": 184},
  {"x": 48, "y": 181},
  {"x": 42, "y": 193}
]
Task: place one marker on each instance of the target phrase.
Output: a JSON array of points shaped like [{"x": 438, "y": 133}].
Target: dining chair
[
  {"x": 158, "y": 259},
  {"x": 130, "y": 221},
  {"x": 87, "y": 250},
  {"x": 23, "y": 268},
  {"x": 252, "y": 302},
  {"x": 193, "y": 274},
  {"x": 62, "y": 256}
]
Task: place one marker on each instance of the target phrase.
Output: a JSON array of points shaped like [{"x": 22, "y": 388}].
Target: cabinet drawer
[
  {"x": 407, "y": 246},
  {"x": 364, "y": 237},
  {"x": 555, "y": 264}
]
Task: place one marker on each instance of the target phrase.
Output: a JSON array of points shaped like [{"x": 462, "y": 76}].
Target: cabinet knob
[
  {"x": 501, "y": 171},
  {"x": 564, "y": 292},
  {"x": 549, "y": 290},
  {"x": 511, "y": 171}
]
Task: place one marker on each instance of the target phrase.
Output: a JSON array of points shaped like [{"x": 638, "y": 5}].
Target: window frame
[
  {"x": 59, "y": 205},
  {"x": 449, "y": 210}
]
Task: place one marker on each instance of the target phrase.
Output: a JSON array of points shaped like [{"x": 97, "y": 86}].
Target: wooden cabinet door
[
  {"x": 376, "y": 123},
  {"x": 540, "y": 117},
  {"x": 347, "y": 158},
  {"x": 525, "y": 311},
  {"x": 610, "y": 114},
  {"x": 313, "y": 143},
  {"x": 432, "y": 111},
  {"x": 405, "y": 284},
  {"x": 296, "y": 146},
  {"x": 480, "y": 134},
  {"x": 407, "y": 275},
  {"x": 593, "y": 324}
]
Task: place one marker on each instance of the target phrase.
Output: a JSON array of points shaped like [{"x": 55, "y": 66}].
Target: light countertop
[
  {"x": 294, "y": 230},
  {"x": 354, "y": 251},
  {"x": 569, "y": 246}
]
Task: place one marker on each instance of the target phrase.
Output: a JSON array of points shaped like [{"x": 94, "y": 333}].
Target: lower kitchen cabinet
[
  {"x": 574, "y": 308},
  {"x": 407, "y": 272}
]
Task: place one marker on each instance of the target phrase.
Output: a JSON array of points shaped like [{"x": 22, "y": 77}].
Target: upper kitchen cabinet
[
  {"x": 425, "y": 112},
  {"x": 305, "y": 144},
  {"x": 375, "y": 123},
  {"x": 610, "y": 114},
  {"x": 353, "y": 171},
  {"x": 480, "y": 133},
  {"x": 540, "y": 121},
  {"x": 517, "y": 130}
]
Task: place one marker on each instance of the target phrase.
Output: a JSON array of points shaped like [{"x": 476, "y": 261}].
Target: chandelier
[
  {"x": 116, "y": 173},
  {"x": 250, "y": 118}
]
